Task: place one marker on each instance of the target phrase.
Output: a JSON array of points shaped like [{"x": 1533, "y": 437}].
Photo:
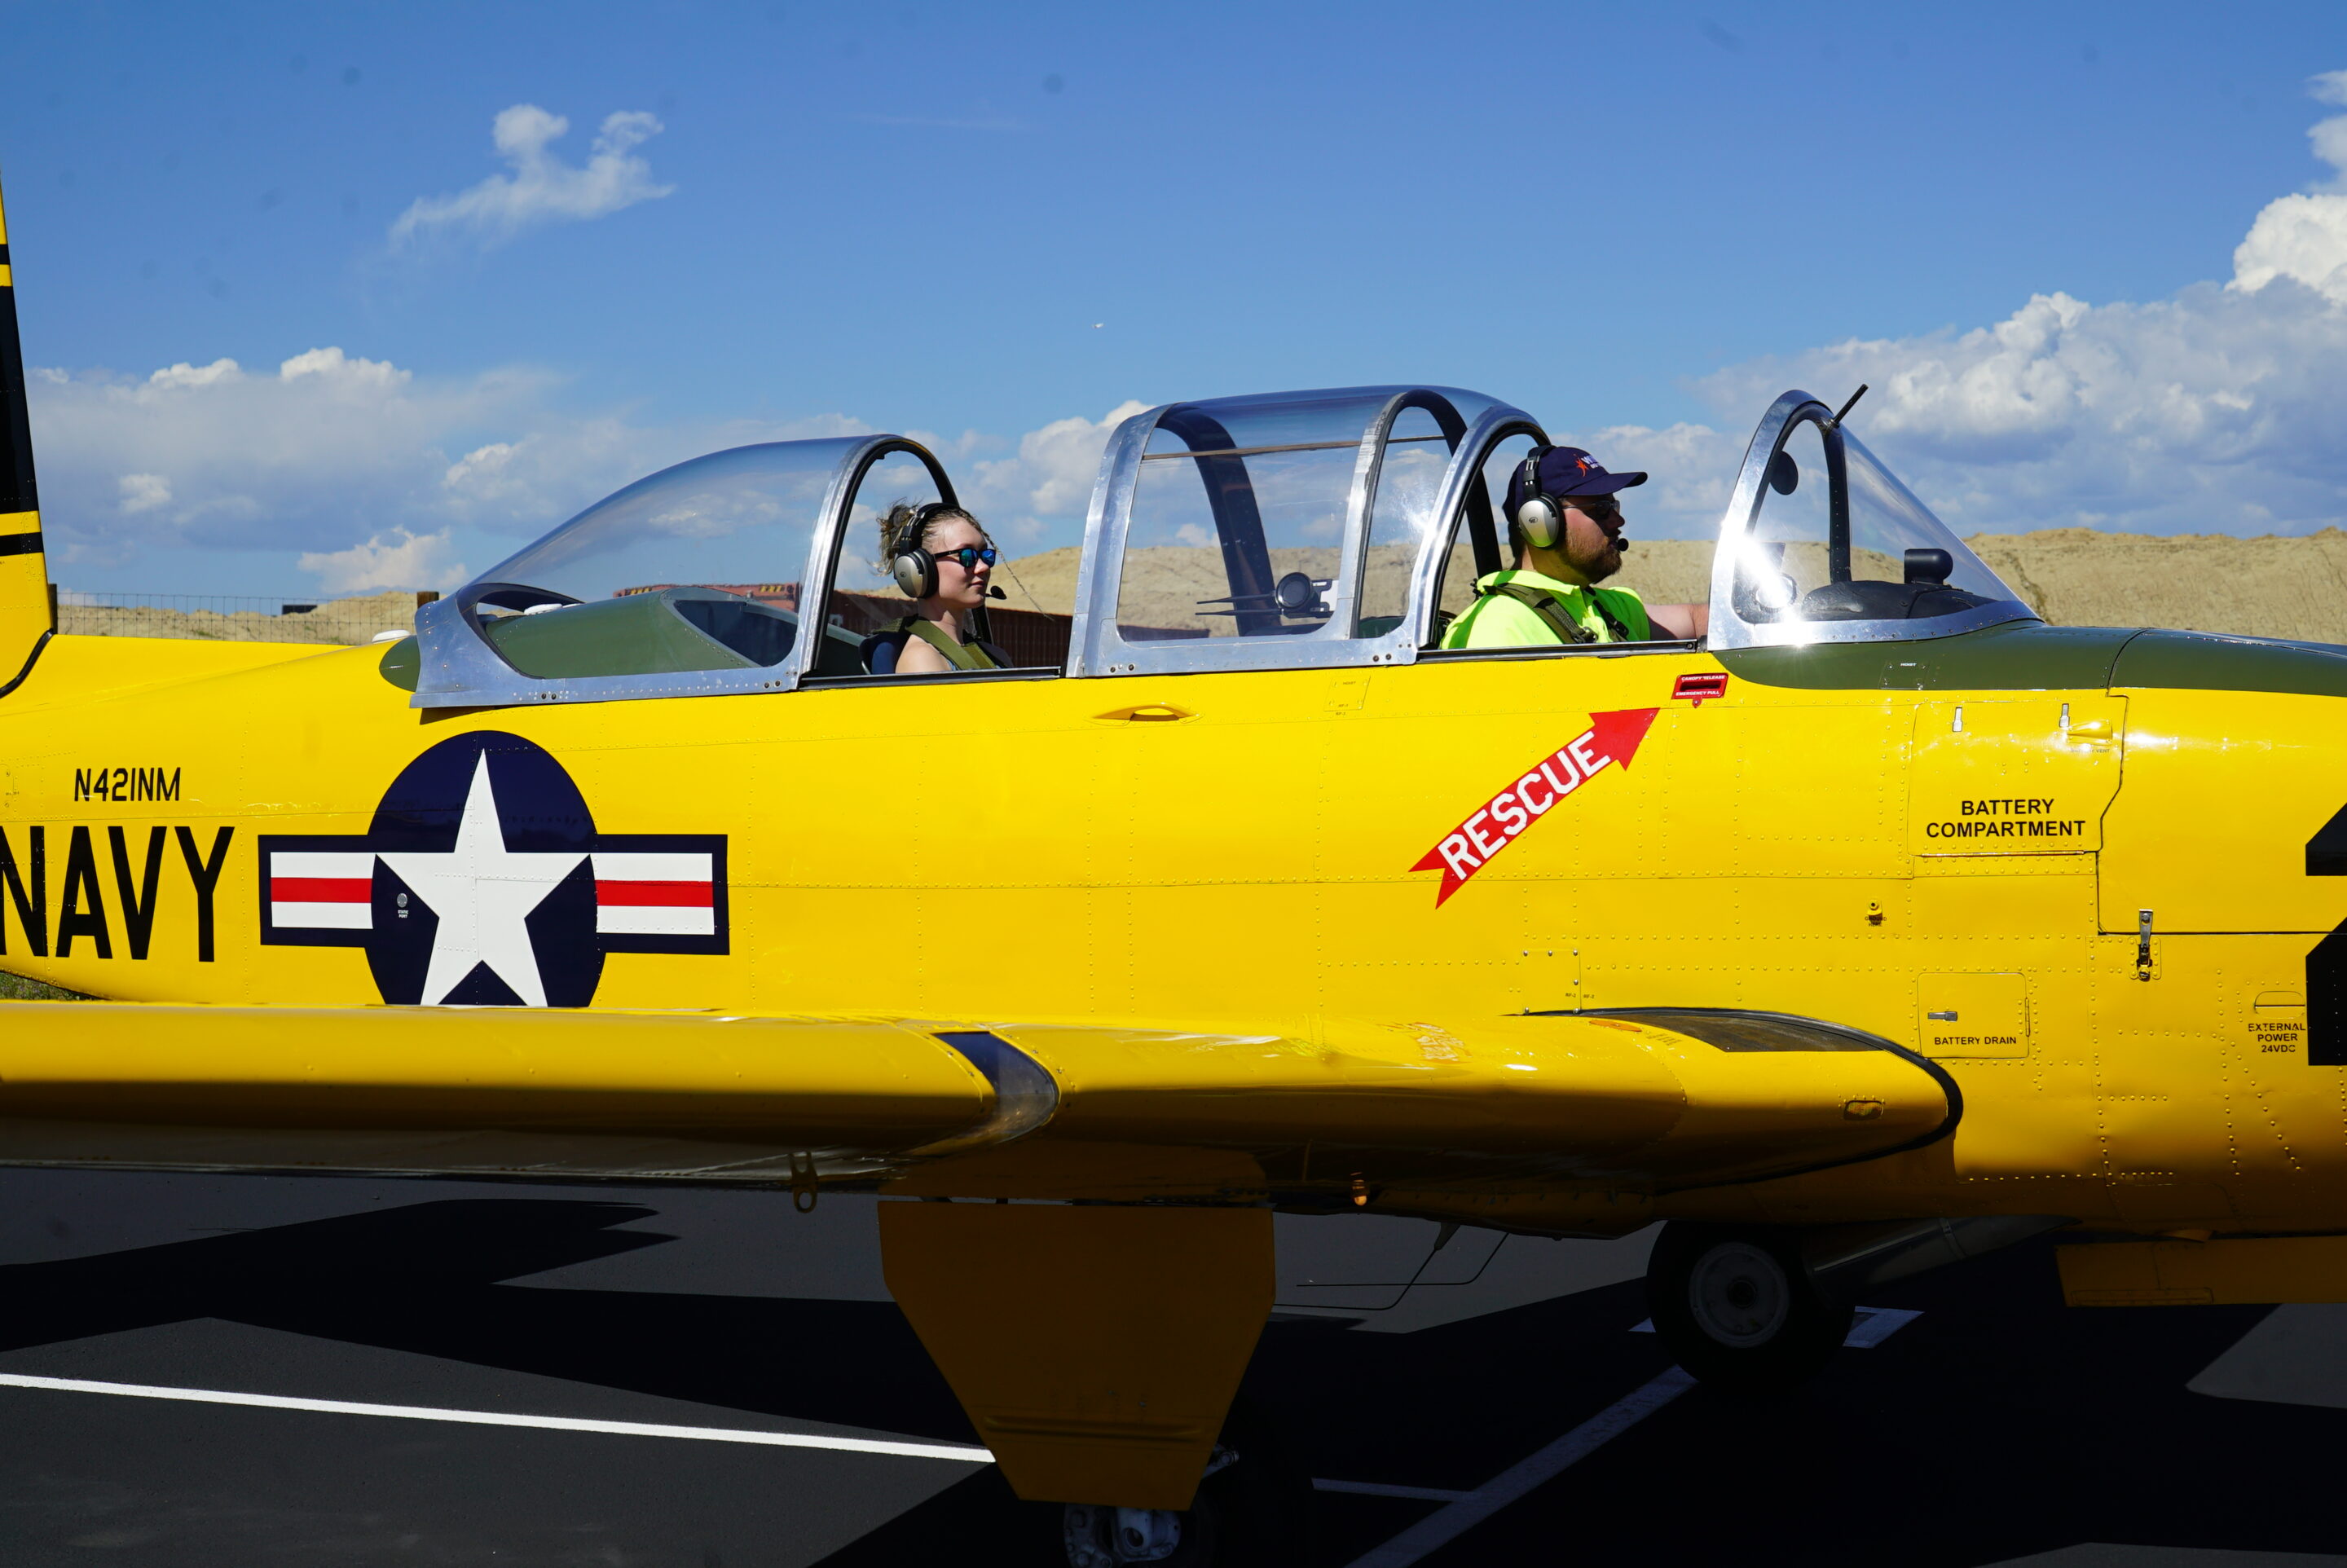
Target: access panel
[
  {"x": 1971, "y": 1015},
  {"x": 2030, "y": 776}
]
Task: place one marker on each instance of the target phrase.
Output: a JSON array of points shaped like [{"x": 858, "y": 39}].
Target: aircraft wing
[{"x": 1647, "y": 1101}]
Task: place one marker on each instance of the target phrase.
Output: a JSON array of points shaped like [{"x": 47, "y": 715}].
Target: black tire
[
  {"x": 1253, "y": 1511},
  {"x": 1090, "y": 1536},
  {"x": 1738, "y": 1308}
]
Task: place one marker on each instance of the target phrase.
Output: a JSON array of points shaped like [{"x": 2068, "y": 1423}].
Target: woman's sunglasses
[{"x": 969, "y": 556}]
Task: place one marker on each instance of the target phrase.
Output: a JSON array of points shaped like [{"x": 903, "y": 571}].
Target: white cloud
[
  {"x": 144, "y": 493},
  {"x": 1051, "y": 476},
  {"x": 542, "y": 189},
  {"x": 330, "y": 450},
  {"x": 361, "y": 468},
  {"x": 2212, "y": 411},
  {"x": 186, "y": 375},
  {"x": 336, "y": 370},
  {"x": 410, "y": 561}
]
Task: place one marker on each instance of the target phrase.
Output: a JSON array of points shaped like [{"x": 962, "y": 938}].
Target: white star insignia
[{"x": 483, "y": 893}]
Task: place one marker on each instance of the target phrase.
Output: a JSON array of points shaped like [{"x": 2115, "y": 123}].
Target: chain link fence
[{"x": 234, "y": 618}]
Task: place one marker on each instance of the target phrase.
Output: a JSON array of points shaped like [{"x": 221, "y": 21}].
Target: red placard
[{"x": 1696, "y": 688}]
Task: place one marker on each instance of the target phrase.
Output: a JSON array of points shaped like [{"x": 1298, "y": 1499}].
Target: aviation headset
[
  {"x": 914, "y": 568},
  {"x": 1540, "y": 516}
]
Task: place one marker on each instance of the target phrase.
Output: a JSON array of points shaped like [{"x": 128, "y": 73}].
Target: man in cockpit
[{"x": 1565, "y": 523}]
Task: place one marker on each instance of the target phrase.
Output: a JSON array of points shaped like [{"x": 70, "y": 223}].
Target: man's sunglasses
[
  {"x": 969, "y": 556},
  {"x": 1597, "y": 507}
]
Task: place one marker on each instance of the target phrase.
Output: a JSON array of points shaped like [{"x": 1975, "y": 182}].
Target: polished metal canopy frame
[
  {"x": 1099, "y": 647},
  {"x": 1729, "y": 630},
  {"x": 461, "y": 668}
]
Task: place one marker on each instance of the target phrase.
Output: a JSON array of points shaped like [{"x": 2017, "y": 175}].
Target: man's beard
[{"x": 1605, "y": 565}]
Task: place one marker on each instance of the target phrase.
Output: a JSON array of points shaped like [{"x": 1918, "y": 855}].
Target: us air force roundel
[{"x": 482, "y": 881}]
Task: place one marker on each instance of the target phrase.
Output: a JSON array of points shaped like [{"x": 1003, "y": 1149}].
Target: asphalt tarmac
[{"x": 436, "y": 1373}]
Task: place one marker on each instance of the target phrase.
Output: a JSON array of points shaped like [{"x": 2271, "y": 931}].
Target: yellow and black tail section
[{"x": 26, "y": 616}]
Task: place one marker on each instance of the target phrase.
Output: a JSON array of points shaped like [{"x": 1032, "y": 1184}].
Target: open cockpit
[{"x": 1285, "y": 530}]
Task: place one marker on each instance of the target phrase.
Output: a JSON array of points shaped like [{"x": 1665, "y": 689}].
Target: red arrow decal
[
  {"x": 1610, "y": 738},
  {"x": 1619, "y": 734}
]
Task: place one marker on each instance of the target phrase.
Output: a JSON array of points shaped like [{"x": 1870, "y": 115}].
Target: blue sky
[{"x": 999, "y": 224}]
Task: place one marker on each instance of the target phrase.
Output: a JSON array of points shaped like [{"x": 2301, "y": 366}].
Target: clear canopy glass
[
  {"x": 1237, "y": 524},
  {"x": 1834, "y": 537},
  {"x": 734, "y": 518},
  {"x": 697, "y": 568}
]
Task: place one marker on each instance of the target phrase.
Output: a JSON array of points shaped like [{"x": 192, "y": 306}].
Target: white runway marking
[
  {"x": 1872, "y": 1326},
  {"x": 1380, "y": 1488},
  {"x": 959, "y": 1451},
  {"x": 1446, "y": 1524},
  {"x": 1876, "y": 1324}
]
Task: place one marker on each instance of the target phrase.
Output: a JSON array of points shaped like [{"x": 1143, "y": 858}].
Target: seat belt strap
[
  {"x": 1552, "y": 612},
  {"x": 960, "y": 655}
]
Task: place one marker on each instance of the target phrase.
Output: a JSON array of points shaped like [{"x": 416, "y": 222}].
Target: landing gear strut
[{"x": 1739, "y": 1308}]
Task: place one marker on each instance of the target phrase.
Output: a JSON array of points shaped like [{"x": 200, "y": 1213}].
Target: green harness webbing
[
  {"x": 960, "y": 655},
  {"x": 1552, "y": 612}
]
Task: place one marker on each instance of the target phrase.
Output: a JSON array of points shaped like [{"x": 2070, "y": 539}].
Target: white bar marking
[
  {"x": 340, "y": 917},
  {"x": 630, "y": 867},
  {"x": 961, "y": 1451},
  {"x": 656, "y": 920},
  {"x": 330, "y": 865},
  {"x": 1446, "y": 1524}
]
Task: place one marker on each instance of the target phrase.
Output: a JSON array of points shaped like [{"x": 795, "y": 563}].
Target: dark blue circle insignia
[{"x": 482, "y": 881}]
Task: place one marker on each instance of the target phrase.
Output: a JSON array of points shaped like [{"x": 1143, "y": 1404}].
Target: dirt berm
[{"x": 2264, "y": 587}]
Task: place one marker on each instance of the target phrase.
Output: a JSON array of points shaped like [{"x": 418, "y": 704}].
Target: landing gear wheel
[
  {"x": 1252, "y": 1509},
  {"x": 1737, "y": 1307},
  {"x": 1102, "y": 1537}
]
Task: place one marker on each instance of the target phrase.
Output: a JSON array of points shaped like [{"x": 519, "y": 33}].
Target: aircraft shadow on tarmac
[
  {"x": 1999, "y": 1426},
  {"x": 425, "y": 1278}
]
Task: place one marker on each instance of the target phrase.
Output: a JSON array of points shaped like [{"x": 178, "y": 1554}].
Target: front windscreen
[
  {"x": 696, "y": 567},
  {"x": 1835, "y": 537},
  {"x": 738, "y": 519}
]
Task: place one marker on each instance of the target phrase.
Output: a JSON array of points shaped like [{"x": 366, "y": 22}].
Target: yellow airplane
[{"x": 1883, "y": 926}]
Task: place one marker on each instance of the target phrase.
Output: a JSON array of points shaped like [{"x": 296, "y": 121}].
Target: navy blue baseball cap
[{"x": 1569, "y": 471}]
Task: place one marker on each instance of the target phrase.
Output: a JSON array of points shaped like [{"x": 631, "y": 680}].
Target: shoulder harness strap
[
  {"x": 960, "y": 655},
  {"x": 1552, "y": 612}
]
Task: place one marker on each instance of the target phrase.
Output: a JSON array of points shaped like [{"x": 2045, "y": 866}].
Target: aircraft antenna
[
  {"x": 1023, "y": 586},
  {"x": 1851, "y": 405}
]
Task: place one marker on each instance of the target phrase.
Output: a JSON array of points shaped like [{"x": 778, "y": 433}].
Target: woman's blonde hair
[{"x": 906, "y": 526}]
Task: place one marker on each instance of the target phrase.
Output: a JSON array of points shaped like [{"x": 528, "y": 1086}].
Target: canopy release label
[{"x": 1611, "y": 739}]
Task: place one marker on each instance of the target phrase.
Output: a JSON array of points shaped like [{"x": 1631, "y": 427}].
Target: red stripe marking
[
  {"x": 672, "y": 895},
  {"x": 320, "y": 889}
]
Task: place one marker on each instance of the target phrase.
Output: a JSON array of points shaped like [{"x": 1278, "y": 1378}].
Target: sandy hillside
[
  {"x": 341, "y": 620},
  {"x": 2265, "y": 586}
]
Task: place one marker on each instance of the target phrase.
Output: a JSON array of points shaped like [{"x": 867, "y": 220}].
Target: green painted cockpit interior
[
  {"x": 638, "y": 634},
  {"x": 2021, "y": 657},
  {"x": 2032, "y": 657}
]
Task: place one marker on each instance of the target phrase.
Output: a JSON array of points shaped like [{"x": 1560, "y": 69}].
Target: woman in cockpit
[{"x": 942, "y": 560}]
